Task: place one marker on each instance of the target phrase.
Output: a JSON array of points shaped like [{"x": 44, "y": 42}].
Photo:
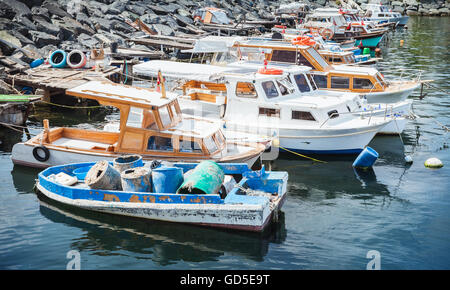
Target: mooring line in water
[
  {"x": 301, "y": 155},
  {"x": 71, "y": 107}
]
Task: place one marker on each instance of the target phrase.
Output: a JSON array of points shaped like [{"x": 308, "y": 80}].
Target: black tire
[{"x": 39, "y": 157}]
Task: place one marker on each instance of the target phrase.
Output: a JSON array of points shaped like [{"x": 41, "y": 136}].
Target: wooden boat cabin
[
  {"x": 150, "y": 125},
  {"x": 359, "y": 79}
]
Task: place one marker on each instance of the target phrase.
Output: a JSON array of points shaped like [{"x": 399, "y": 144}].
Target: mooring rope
[{"x": 72, "y": 107}]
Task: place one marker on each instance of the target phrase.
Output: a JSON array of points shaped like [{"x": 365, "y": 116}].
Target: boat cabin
[
  {"x": 242, "y": 93},
  {"x": 152, "y": 124}
]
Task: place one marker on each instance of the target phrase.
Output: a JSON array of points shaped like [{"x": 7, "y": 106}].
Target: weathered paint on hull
[{"x": 239, "y": 217}]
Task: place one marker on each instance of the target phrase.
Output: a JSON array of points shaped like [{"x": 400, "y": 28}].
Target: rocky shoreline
[{"x": 31, "y": 29}]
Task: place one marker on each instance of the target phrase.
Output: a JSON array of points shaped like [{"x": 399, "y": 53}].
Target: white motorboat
[{"x": 264, "y": 101}]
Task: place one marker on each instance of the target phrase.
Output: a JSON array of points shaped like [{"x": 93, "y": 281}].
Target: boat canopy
[
  {"x": 211, "y": 44},
  {"x": 108, "y": 93}
]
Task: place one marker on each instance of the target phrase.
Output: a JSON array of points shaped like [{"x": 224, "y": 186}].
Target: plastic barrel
[
  {"x": 206, "y": 178},
  {"x": 366, "y": 50},
  {"x": 103, "y": 176},
  {"x": 366, "y": 158},
  {"x": 58, "y": 58},
  {"x": 166, "y": 179},
  {"x": 127, "y": 161},
  {"x": 36, "y": 62},
  {"x": 136, "y": 179},
  {"x": 76, "y": 59}
]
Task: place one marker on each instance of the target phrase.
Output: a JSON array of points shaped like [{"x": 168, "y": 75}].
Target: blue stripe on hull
[{"x": 331, "y": 152}]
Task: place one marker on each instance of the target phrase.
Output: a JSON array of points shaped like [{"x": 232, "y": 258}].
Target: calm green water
[{"x": 331, "y": 219}]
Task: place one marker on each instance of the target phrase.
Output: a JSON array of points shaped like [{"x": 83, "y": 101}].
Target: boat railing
[
  {"x": 406, "y": 74},
  {"x": 332, "y": 115}
]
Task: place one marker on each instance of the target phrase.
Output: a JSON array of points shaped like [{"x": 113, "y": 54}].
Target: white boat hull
[
  {"x": 22, "y": 154},
  {"x": 235, "y": 216},
  {"x": 397, "y": 92}
]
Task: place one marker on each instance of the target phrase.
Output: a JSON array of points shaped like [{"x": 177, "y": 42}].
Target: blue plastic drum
[
  {"x": 166, "y": 179},
  {"x": 366, "y": 158}
]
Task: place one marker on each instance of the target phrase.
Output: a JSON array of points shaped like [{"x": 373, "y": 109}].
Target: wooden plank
[{"x": 158, "y": 43}]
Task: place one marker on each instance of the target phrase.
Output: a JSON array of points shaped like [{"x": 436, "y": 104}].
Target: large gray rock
[
  {"x": 163, "y": 29},
  {"x": 42, "y": 39},
  {"x": 16, "y": 7}
]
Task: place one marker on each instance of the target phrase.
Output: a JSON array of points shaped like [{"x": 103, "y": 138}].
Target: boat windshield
[
  {"x": 286, "y": 87},
  {"x": 301, "y": 82},
  {"x": 210, "y": 144}
]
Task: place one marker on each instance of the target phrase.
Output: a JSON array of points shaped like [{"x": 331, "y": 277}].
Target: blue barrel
[
  {"x": 127, "y": 161},
  {"x": 36, "y": 62},
  {"x": 136, "y": 179},
  {"x": 366, "y": 158},
  {"x": 58, "y": 58},
  {"x": 166, "y": 179}
]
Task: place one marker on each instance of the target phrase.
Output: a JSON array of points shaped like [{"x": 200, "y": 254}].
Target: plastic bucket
[
  {"x": 81, "y": 172},
  {"x": 206, "y": 178},
  {"x": 166, "y": 179},
  {"x": 366, "y": 158},
  {"x": 127, "y": 161},
  {"x": 136, "y": 179},
  {"x": 366, "y": 50},
  {"x": 58, "y": 58}
]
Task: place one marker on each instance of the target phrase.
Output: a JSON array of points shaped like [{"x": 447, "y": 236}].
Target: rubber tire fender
[{"x": 39, "y": 157}]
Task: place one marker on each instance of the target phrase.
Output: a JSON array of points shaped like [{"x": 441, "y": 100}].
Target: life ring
[
  {"x": 270, "y": 71},
  {"x": 327, "y": 33},
  {"x": 76, "y": 59},
  {"x": 39, "y": 157},
  {"x": 58, "y": 58}
]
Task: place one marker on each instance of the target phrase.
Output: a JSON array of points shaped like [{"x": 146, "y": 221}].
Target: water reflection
[
  {"x": 23, "y": 178},
  {"x": 163, "y": 243}
]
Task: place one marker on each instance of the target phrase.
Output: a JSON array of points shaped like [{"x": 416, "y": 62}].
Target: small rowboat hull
[{"x": 239, "y": 210}]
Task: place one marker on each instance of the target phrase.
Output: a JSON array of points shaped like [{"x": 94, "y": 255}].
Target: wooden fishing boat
[
  {"x": 332, "y": 25},
  {"x": 382, "y": 13},
  {"x": 249, "y": 200},
  {"x": 366, "y": 81},
  {"x": 151, "y": 124},
  {"x": 14, "y": 109}
]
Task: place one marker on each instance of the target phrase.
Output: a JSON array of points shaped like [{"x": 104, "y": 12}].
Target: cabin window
[
  {"x": 333, "y": 114},
  {"x": 301, "y": 82},
  {"x": 380, "y": 79},
  {"x": 359, "y": 83},
  {"x": 158, "y": 143},
  {"x": 285, "y": 86},
  {"x": 210, "y": 144},
  {"x": 165, "y": 116},
  {"x": 302, "y": 115},
  {"x": 148, "y": 121},
  {"x": 190, "y": 146},
  {"x": 270, "y": 89},
  {"x": 340, "y": 82},
  {"x": 284, "y": 56},
  {"x": 302, "y": 60},
  {"x": 312, "y": 82},
  {"x": 269, "y": 112},
  {"x": 219, "y": 137},
  {"x": 321, "y": 81},
  {"x": 135, "y": 117},
  {"x": 245, "y": 90}
]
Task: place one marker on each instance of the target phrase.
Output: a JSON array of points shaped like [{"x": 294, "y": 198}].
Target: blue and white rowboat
[{"x": 251, "y": 204}]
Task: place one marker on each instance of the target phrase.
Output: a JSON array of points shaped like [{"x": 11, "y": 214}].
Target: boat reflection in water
[{"x": 163, "y": 243}]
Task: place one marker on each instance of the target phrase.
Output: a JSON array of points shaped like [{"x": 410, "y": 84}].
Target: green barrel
[
  {"x": 366, "y": 50},
  {"x": 206, "y": 178}
]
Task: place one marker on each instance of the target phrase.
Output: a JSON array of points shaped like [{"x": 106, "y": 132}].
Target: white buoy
[{"x": 433, "y": 163}]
